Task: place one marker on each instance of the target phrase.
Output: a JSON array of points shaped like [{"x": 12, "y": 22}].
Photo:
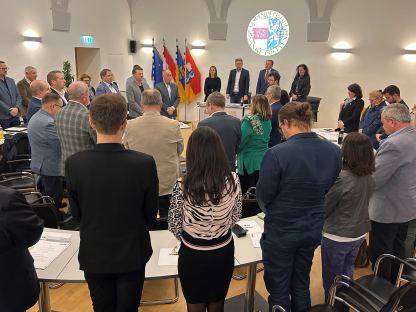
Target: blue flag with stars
[{"x": 157, "y": 67}]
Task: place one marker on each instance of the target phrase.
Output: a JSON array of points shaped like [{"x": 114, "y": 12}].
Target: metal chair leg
[
  {"x": 243, "y": 276},
  {"x": 164, "y": 301}
]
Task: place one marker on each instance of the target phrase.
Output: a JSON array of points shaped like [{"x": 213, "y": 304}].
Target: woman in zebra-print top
[{"x": 204, "y": 207}]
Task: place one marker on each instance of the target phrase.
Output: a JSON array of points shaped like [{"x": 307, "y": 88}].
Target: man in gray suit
[
  {"x": 10, "y": 100},
  {"x": 393, "y": 203},
  {"x": 24, "y": 88},
  {"x": 170, "y": 95},
  {"x": 134, "y": 92},
  {"x": 228, "y": 127},
  {"x": 72, "y": 123},
  {"x": 46, "y": 148}
]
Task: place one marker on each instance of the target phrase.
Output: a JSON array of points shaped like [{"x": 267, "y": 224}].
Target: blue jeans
[
  {"x": 10, "y": 122},
  {"x": 287, "y": 259},
  {"x": 235, "y": 98},
  {"x": 337, "y": 259}
]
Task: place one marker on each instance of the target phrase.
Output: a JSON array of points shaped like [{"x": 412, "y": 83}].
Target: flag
[
  {"x": 193, "y": 78},
  {"x": 180, "y": 73},
  {"x": 157, "y": 67},
  {"x": 169, "y": 61}
]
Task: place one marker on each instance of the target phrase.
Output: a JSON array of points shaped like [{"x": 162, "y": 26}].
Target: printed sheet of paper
[
  {"x": 56, "y": 236},
  {"x": 255, "y": 239},
  {"x": 45, "y": 251},
  {"x": 167, "y": 256},
  {"x": 250, "y": 226}
]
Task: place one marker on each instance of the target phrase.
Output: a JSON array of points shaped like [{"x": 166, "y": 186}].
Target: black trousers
[
  {"x": 387, "y": 238},
  {"x": 164, "y": 203},
  {"x": 248, "y": 180},
  {"x": 53, "y": 187},
  {"x": 116, "y": 292}
]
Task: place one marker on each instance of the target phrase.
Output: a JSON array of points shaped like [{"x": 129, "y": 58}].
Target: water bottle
[{"x": 340, "y": 136}]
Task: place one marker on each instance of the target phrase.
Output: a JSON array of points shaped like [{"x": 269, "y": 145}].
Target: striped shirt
[{"x": 205, "y": 227}]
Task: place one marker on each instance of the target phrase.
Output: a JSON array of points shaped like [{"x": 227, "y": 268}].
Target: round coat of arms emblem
[{"x": 267, "y": 33}]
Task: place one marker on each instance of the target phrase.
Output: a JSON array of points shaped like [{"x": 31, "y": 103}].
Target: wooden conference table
[{"x": 65, "y": 268}]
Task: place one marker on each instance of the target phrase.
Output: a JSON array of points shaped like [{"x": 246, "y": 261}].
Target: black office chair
[
  {"x": 408, "y": 275},
  {"x": 314, "y": 101},
  {"x": 250, "y": 208},
  {"x": 21, "y": 181},
  {"x": 16, "y": 152},
  {"x": 44, "y": 207}
]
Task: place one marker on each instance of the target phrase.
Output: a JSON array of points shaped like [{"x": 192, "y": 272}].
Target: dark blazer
[
  {"x": 103, "y": 88},
  {"x": 301, "y": 86},
  {"x": 211, "y": 85},
  {"x": 9, "y": 97},
  {"x": 114, "y": 194},
  {"x": 66, "y": 96},
  {"x": 275, "y": 135},
  {"x": 229, "y": 129},
  {"x": 20, "y": 228},
  {"x": 243, "y": 84},
  {"x": 173, "y": 100},
  {"x": 350, "y": 115},
  {"x": 262, "y": 81},
  {"x": 34, "y": 105}
]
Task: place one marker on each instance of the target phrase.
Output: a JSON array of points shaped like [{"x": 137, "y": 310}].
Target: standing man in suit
[
  {"x": 46, "y": 148},
  {"x": 161, "y": 138},
  {"x": 24, "y": 88},
  {"x": 107, "y": 85},
  {"x": 393, "y": 203},
  {"x": 228, "y": 127},
  {"x": 170, "y": 95},
  {"x": 238, "y": 83},
  {"x": 262, "y": 81},
  {"x": 72, "y": 123},
  {"x": 130, "y": 79},
  {"x": 56, "y": 80},
  {"x": 114, "y": 217},
  {"x": 38, "y": 89},
  {"x": 273, "y": 94},
  {"x": 10, "y": 100},
  {"x": 20, "y": 228},
  {"x": 134, "y": 92}
]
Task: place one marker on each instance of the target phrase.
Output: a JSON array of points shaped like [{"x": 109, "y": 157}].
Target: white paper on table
[
  {"x": 45, "y": 251},
  {"x": 255, "y": 239},
  {"x": 166, "y": 257},
  {"x": 16, "y": 129},
  {"x": 251, "y": 226},
  {"x": 183, "y": 125},
  {"x": 56, "y": 236}
]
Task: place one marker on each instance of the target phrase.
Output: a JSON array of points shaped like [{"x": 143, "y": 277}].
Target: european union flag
[{"x": 157, "y": 67}]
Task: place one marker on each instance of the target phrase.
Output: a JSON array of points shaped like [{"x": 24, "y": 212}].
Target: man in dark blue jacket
[
  {"x": 273, "y": 96},
  {"x": 294, "y": 178}
]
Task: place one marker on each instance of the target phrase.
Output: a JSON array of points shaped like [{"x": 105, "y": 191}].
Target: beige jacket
[{"x": 161, "y": 138}]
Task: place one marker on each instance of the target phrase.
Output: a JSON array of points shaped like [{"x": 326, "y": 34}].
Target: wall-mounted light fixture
[
  {"x": 197, "y": 47},
  {"x": 146, "y": 45},
  {"x": 32, "y": 39},
  {"x": 339, "y": 50},
  {"x": 409, "y": 52}
]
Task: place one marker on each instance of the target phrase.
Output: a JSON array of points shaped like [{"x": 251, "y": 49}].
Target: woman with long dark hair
[
  {"x": 301, "y": 85},
  {"x": 346, "y": 207},
  {"x": 205, "y": 205},
  {"x": 212, "y": 82}
]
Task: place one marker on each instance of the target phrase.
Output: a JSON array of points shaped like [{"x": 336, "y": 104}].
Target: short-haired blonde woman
[
  {"x": 255, "y": 136},
  {"x": 371, "y": 118}
]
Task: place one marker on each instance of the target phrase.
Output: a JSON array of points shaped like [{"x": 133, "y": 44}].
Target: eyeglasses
[{"x": 5, "y": 68}]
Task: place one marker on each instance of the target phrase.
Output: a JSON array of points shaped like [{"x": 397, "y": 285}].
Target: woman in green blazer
[{"x": 255, "y": 130}]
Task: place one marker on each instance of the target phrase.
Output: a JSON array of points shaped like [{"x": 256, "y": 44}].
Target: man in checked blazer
[
  {"x": 72, "y": 123},
  {"x": 170, "y": 95}
]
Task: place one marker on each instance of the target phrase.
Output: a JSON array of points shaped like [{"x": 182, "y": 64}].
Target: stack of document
[{"x": 48, "y": 248}]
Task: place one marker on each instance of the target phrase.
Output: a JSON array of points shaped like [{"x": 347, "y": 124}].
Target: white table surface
[{"x": 245, "y": 253}]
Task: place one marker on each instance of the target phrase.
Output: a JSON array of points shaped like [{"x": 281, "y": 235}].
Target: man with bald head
[
  {"x": 24, "y": 88},
  {"x": 72, "y": 123},
  {"x": 170, "y": 95},
  {"x": 38, "y": 89}
]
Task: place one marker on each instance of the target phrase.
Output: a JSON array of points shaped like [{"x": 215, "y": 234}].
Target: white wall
[
  {"x": 376, "y": 29},
  {"x": 106, "y": 20}
]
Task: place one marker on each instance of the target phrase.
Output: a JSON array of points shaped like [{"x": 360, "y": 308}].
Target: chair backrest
[
  {"x": 160, "y": 224},
  {"x": 21, "y": 181},
  {"x": 408, "y": 273},
  {"x": 44, "y": 207},
  {"x": 402, "y": 300},
  {"x": 250, "y": 206}
]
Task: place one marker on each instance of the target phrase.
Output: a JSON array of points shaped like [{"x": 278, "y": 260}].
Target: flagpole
[{"x": 186, "y": 98}]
